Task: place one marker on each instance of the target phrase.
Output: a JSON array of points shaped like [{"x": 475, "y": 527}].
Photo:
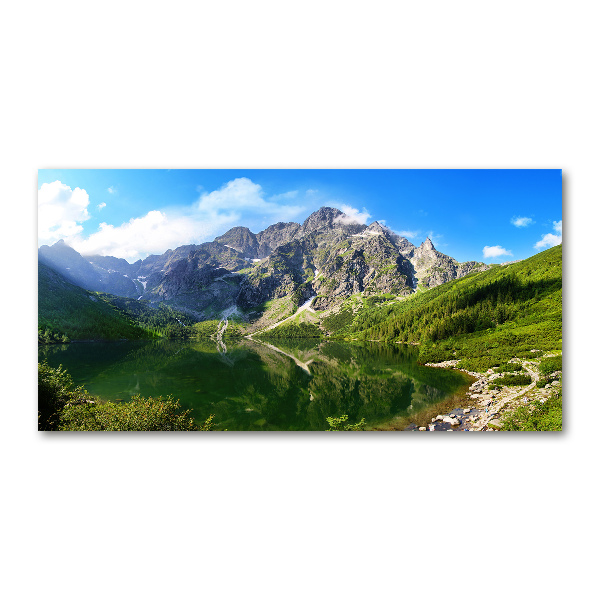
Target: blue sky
[{"x": 488, "y": 215}]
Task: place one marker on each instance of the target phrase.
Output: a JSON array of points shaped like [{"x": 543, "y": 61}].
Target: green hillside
[
  {"x": 67, "y": 312},
  {"x": 483, "y": 319}
]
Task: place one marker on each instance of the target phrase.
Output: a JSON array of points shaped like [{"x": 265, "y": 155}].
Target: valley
[{"x": 327, "y": 279}]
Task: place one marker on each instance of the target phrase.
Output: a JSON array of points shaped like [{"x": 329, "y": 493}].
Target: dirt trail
[{"x": 497, "y": 407}]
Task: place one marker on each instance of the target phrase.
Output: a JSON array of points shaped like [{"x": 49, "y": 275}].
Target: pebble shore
[{"x": 485, "y": 404}]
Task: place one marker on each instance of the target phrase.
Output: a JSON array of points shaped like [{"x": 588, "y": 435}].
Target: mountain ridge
[{"x": 330, "y": 256}]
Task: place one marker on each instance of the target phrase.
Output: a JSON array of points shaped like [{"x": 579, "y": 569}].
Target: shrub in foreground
[
  {"x": 55, "y": 391},
  {"x": 139, "y": 414},
  {"x": 64, "y": 407}
]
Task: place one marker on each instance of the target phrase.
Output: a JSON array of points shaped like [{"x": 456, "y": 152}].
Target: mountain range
[{"x": 328, "y": 258}]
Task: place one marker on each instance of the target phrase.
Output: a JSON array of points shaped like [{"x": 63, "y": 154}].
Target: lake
[{"x": 249, "y": 385}]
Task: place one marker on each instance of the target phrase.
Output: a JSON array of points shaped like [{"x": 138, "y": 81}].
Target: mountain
[
  {"x": 69, "y": 310},
  {"x": 96, "y": 276},
  {"x": 329, "y": 256},
  {"x": 483, "y": 319}
]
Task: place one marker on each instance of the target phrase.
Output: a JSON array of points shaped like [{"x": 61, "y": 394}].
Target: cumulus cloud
[
  {"x": 241, "y": 201},
  {"x": 551, "y": 239},
  {"x": 493, "y": 251},
  {"x": 153, "y": 233},
  {"x": 352, "y": 215},
  {"x": 521, "y": 221},
  {"x": 243, "y": 194},
  {"x": 61, "y": 211}
]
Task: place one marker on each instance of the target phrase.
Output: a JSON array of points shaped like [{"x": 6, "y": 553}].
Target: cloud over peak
[{"x": 352, "y": 215}]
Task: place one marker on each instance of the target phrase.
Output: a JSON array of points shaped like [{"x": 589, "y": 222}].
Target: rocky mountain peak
[
  {"x": 240, "y": 239},
  {"x": 376, "y": 227},
  {"x": 427, "y": 245},
  {"x": 324, "y": 217}
]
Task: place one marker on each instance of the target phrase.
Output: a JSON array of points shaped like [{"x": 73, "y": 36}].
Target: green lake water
[{"x": 248, "y": 385}]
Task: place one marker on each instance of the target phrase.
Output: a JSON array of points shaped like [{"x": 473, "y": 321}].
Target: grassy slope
[
  {"x": 483, "y": 318},
  {"x": 81, "y": 315}
]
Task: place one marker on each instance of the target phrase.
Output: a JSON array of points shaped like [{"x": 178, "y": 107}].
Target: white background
[{"x": 311, "y": 84}]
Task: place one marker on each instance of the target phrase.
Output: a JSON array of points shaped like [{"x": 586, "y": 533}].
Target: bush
[
  {"x": 550, "y": 365},
  {"x": 61, "y": 406},
  {"x": 543, "y": 381},
  {"x": 55, "y": 391},
  {"x": 478, "y": 364},
  {"x": 520, "y": 379},
  {"x": 540, "y": 416},
  {"x": 139, "y": 414},
  {"x": 509, "y": 368}
]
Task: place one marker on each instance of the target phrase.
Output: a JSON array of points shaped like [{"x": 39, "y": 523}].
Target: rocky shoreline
[{"x": 485, "y": 403}]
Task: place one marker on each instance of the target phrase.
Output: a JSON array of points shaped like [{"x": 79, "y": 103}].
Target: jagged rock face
[
  {"x": 367, "y": 262},
  {"x": 329, "y": 219},
  {"x": 274, "y": 236},
  {"x": 75, "y": 268},
  {"x": 432, "y": 268},
  {"x": 159, "y": 263},
  {"x": 118, "y": 265},
  {"x": 281, "y": 274},
  {"x": 324, "y": 217},
  {"x": 332, "y": 263},
  {"x": 242, "y": 240},
  {"x": 194, "y": 275}
]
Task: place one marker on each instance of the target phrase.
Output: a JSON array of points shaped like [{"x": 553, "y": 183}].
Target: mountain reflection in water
[{"x": 249, "y": 385}]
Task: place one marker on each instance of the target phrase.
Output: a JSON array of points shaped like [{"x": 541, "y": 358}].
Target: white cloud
[
  {"x": 237, "y": 202},
  {"x": 60, "y": 211},
  {"x": 550, "y": 239},
  {"x": 493, "y": 251},
  {"x": 153, "y": 233},
  {"x": 111, "y": 190},
  {"x": 243, "y": 194},
  {"x": 408, "y": 234},
  {"x": 521, "y": 221},
  {"x": 352, "y": 215}
]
